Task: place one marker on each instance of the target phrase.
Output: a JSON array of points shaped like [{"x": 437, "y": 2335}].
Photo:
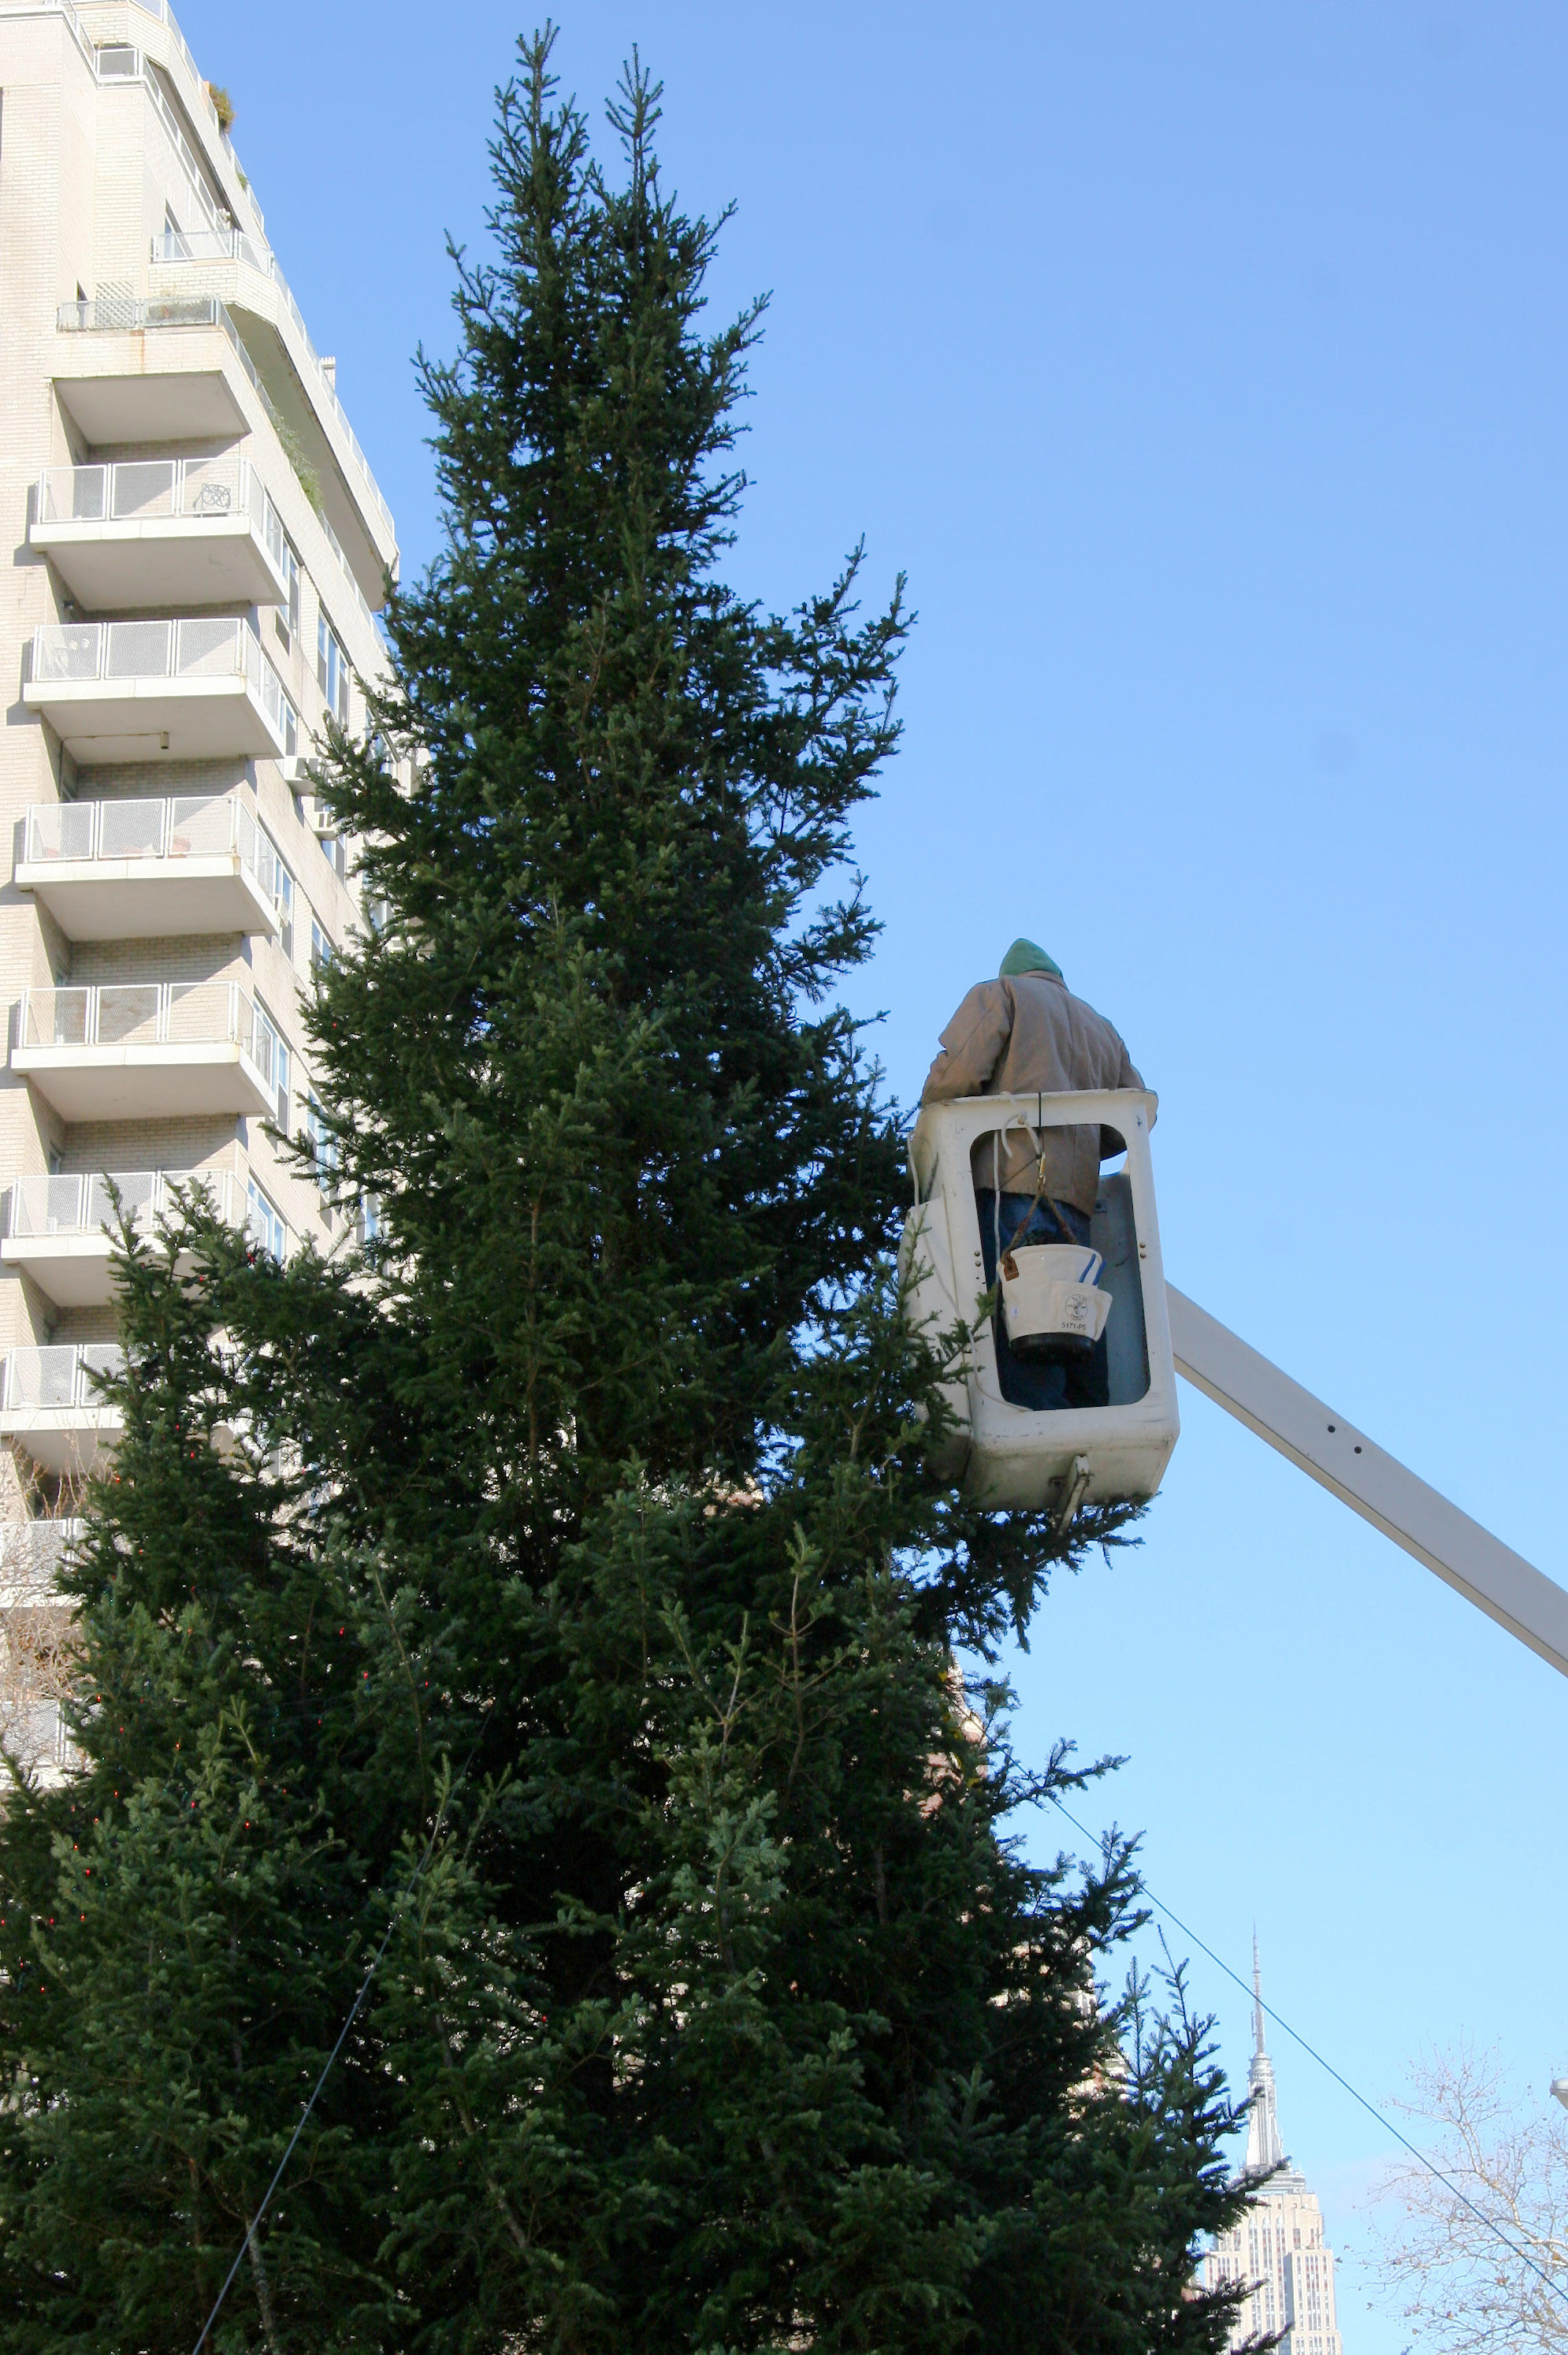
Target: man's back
[{"x": 1024, "y": 1034}]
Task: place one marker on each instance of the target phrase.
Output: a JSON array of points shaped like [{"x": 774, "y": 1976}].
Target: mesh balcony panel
[
  {"x": 130, "y": 829},
  {"x": 136, "y": 1189},
  {"x": 128, "y": 1010},
  {"x": 59, "y": 830},
  {"x": 199, "y": 1012},
  {"x": 208, "y": 649},
  {"x": 138, "y": 649},
  {"x": 67, "y": 650},
  {"x": 200, "y": 826},
  {"x": 56, "y": 1017},
  {"x": 212, "y": 486},
  {"x": 146, "y": 487}
]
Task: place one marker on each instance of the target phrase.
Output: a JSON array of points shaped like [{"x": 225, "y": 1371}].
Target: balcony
[
  {"x": 162, "y": 531},
  {"x": 64, "y": 1231},
  {"x": 185, "y": 388},
  {"x": 149, "y": 1049},
  {"x": 191, "y": 690},
  {"x": 49, "y": 1402},
  {"x": 154, "y": 870},
  {"x": 31, "y": 1553},
  {"x": 240, "y": 271}
]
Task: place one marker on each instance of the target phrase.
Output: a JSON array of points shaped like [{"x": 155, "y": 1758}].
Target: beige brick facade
[{"x": 145, "y": 325}]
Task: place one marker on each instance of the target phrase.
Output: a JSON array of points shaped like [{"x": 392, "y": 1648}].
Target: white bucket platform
[{"x": 1019, "y": 1456}]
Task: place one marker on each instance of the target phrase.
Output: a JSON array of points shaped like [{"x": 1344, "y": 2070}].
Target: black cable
[
  {"x": 343, "y": 2033},
  {"x": 1372, "y": 2109}
]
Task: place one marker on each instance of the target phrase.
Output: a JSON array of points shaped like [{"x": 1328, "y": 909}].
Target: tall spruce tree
[{"x": 560, "y": 1598}]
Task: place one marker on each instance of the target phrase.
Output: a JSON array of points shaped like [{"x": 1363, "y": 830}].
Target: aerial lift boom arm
[{"x": 1346, "y": 1462}]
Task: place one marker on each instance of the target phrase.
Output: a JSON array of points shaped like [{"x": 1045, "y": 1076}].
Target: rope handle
[{"x": 1008, "y": 1266}]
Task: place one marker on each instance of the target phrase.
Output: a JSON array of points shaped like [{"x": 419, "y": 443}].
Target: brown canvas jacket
[{"x": 1025, "y": 1037}]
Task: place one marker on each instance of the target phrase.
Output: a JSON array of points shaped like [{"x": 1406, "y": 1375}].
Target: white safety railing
[
  {"x": 165, "y": 16},
  {"x": 78, "y": 652},
  {"x": 31, "y": 1553},
  {"x": 149, "y": 490},
  {"x": 81, "y": 1205},
  {"x": 151, "y": 1014},
  {"x": 61, "y": 1374},
  {"x": 119, "y": 62},
  {"x": 84, "y": 1204},
  {"x": 220, "y": 243},
  {"x": 188, "y": 825}
]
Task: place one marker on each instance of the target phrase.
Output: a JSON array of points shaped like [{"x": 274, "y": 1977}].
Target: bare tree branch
[{"x": 1473, "y": 2287}]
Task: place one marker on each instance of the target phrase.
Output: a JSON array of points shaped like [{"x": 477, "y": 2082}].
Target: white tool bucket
[{"x": 1051, "y": 1302}]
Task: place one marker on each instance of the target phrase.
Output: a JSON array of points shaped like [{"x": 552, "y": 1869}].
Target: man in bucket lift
[{"x": 1026, "y": 1034}]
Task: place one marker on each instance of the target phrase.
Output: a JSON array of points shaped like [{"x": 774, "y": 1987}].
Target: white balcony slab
[
  {"x": 99, "y": 719},
  {"x": 63, "y": 1231},
  {"x": 73, "y": 1271},
  {"x": 151, "y": 533},
  {"x": 155, "y": 869},
  {"x": 176, "y": 560},
  {"x": 147, "y": 1050},
  {"x": 50, "y": 1405},
  {"x": 146, "y": 396},
  {"x": 62, "y": 1438},
  {"x": 143, "y": 690},
  {"x": 149, "y": 899},
  {"x": 154, "y": 1079}
]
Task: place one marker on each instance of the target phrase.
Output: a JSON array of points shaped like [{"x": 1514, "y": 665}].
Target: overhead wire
[
  {"x": 352, "y": 2015},
  {"x": 1480, "y": 2215}
]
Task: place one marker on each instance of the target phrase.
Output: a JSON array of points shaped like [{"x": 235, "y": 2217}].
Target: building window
[
  {"x": 284, "y": 897},
  {"x": 269, "y": 1053},
  {"x": 263, "y": 1225},
  {"x": 321, "y": 947},
  {"x": 369, "y": 1217},
  {"x": 331, "y": 670},
  {"x": 323, "y": 1146},
  {"x": 291, "y": 575}
]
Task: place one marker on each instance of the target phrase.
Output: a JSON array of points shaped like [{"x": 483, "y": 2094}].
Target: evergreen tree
[{"x": 563, "y": 1597}]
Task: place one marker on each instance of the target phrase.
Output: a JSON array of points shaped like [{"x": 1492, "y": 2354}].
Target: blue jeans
[{"x": 1023, "y": 1383}]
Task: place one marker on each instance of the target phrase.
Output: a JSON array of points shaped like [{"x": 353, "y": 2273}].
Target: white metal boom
[{"x": 1346, "y": 1462}]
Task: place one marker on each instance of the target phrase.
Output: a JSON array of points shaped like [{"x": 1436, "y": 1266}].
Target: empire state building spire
[
  {"x": 1264, "y": 2148},
  {"x": 1277, "y": 2256}
]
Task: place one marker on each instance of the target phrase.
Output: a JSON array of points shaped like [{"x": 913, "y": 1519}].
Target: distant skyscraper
[{"x": 1279, "y": 2248}]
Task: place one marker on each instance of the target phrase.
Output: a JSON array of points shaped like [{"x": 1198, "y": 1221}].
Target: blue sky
[{"x": 1204, "y": 367}]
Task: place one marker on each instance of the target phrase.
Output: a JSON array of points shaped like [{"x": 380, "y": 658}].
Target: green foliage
[
  {"x": 564, "y": 1594},
  {"x": 294, "y": 451}
]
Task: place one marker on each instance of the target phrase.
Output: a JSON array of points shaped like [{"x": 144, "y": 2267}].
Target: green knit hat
[{"x": 1026, "y": 956}]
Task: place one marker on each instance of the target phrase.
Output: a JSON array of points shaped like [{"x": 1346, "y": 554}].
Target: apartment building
[{"x": 199, "y": 548}]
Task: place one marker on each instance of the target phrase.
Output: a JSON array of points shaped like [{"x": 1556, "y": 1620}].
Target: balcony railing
[
  {"x": 111, "y": 314},
  {"x": 120, "y": 61},
  {"x": 150, "y": 490},
  {"x": 62, "y": 1375},
  {"x": 152, "y": 1014},
  {"x": 77, "y": 1205},
  {"x": 31, "y": 1553},
  {"x": 81, "y": 652},
  {"x": 207, "y": 825},
  {"x": 219, "y": 243}
]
